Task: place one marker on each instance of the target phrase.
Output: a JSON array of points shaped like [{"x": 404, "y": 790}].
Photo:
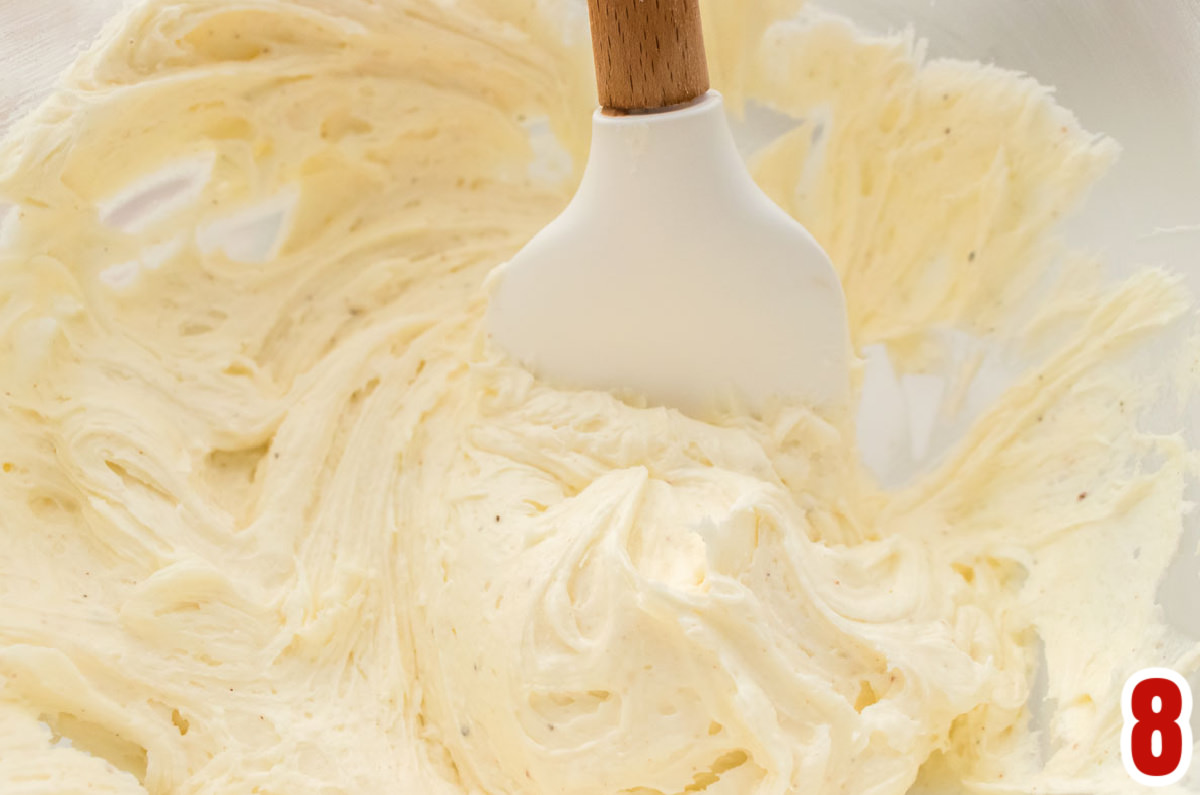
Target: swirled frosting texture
[{"x": 277, "y": 519}]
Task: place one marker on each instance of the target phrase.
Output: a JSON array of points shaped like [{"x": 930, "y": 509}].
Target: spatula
[{"x": 671, "y": 274}]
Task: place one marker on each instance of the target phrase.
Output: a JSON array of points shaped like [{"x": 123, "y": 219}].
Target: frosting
[{"x": 277, "y": 518}]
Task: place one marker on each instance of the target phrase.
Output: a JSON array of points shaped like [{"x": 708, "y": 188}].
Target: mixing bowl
[{"x": 1130, "y": 70}]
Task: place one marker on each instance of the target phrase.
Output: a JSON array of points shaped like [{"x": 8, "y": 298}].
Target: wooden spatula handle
[{"x": 649, "y": 53}]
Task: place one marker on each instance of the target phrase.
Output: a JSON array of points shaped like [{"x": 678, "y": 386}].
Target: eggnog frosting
[{"x": 277, "y": 517}]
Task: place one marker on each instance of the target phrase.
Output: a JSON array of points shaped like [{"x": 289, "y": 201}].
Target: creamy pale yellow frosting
[{"x": 276, "y": 518}]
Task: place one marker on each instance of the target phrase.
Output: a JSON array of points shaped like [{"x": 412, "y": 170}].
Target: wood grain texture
[{"x": 649, "y": 53}]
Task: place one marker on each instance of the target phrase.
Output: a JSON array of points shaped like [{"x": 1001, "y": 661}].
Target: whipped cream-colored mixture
[{"x": 276, "y": 518}]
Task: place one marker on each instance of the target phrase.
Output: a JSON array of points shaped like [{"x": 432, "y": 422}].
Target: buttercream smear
[{"x": 278, "y": 519}]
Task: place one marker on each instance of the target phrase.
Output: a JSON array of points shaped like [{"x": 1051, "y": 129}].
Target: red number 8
[{"x": 1156, "y": 743}]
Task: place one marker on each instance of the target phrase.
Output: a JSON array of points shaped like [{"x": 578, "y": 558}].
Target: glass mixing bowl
[{"x": 1128, "y": 69}]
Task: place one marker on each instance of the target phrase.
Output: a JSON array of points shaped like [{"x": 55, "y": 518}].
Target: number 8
[{"x": 1157, "y": 706}]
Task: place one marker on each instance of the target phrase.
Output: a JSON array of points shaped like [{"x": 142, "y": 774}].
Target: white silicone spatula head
[{"x": 670, "y": 273}]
